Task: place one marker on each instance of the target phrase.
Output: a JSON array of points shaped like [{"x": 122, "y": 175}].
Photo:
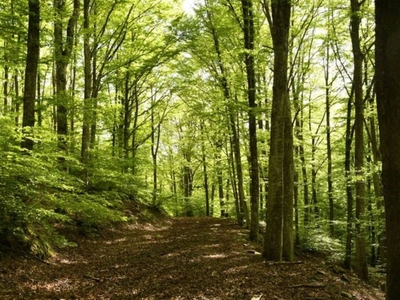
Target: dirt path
[{"x": 187, "y": 258}]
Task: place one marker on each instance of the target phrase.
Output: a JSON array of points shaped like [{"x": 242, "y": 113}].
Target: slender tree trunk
[
  {"x": 328, "y": 140},
  {"x": 233, "y": 127},
  {"x": 288, "y": 181},
  {"x": 95, "y": 92},
  {"x": 221, "y": 193},
  {"x": 39, "y": 101},
  {"x": 187, "y": 185},
  {"x": 87, "y": 91},
  {"x": 349, "y": 190},
  {"x": 205, "y": 173},
  {"x": 248, "y": 31},
  {"x": 6, "y": 79},
  {"x": 296, "y": 208},
  {"x": 16, "y": 101},
  {"x": 155, "y": 144},
  {"x": 371, "y": 219},
  {"x": 362, "y": 268},
  {"x": 387, "y": 47},
  {"x": 233, "y": 176},
  {"x": 32, "y": 60},
  {"x": 377, "y": 183},
  {"x": 299, "y": 123}
]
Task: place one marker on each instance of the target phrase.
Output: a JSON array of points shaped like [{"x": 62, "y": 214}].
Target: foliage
[
  {"x": 158, "y": 73},
  {"x": 37, "y": 199}
]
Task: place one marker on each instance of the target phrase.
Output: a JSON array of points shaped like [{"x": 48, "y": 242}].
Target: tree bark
[
  {"x": 388, "y": 101},
  {"x": 349, "y": 190},
  {"x": 205, "y": 172},
  {"x": 328, "y": 139},
  {"x": 87, "y": 91},
  {"x": 63, "y": 52},
  {"x": 32, "y": 60},
  {"x": 248, "y": 31},
  {"x": 362, "y": 268},
  {"x": 278, "y": 242}
]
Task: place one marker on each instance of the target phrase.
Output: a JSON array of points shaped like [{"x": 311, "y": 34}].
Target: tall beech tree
[
  {"x": 248, "y": 33},
  {"x": 362, "y": 268},
  {"x": 63, "y": 47},
  {"x": 279, "y": 237},
  {"x": 388, "y": 102},
  {"x": 32, "y": 61}
]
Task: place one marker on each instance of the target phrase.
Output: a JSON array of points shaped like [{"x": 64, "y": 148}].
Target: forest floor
[{"x": 182, "y": 258}]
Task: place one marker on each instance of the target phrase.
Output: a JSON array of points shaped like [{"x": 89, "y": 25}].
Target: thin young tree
[{"x": 222, "y": 75}]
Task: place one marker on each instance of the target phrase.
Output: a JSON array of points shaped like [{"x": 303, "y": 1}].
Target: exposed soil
[{"x": 185, "y": 258}]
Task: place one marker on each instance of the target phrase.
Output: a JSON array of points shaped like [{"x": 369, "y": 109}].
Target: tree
[
  {"x": 32, "y": 60},
  {"x": 223, "y": 79},
  {"x": 388, "y": 102},
  {"x": 278, "y": 241},
  {"x": 362, "y": 268},
  {"x": 248, "y": 32},
  {"x": 63, "y": 47}
]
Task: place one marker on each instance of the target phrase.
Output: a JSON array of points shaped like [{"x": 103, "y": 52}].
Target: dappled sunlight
[
  {"x": 212, "y": 246},
  {"x": 121, "y": 266},
  {"x": 71, "y": 262},
  {"x": 187, "y": 261},
  {"x": 55, "y": 286},
  {"x": 117, "y": 278},
  {"x": 58, "y": 259},
  {"x": 220, "y": 255},
  {"x": 147, "y": 227},
  {"x": 236, "y": 270},
  {"x": 148, "y": 237},
  {"x": 121, "y": 240}
]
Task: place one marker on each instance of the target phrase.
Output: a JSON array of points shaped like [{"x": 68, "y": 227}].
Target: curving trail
[{"x": 185, "y": 258}]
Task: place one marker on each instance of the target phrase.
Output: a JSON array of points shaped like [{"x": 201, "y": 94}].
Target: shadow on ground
[{"x": 184, "y": 258}]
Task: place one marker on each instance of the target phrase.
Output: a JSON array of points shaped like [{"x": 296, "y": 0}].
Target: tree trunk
[
  {"x": 205, "y": 173},
  {"x": 32, "y": 60},
  {"x": 328, "y": 139},
  {"x": 221, "y": 193},
  {"x": 248, "y": 31},
  {"x": 233, "y": 176},
  {"x": 6, "y": 79},
  {"x": 235, "y": 140},
  {"x": 155, "y": 144},
  {"x": 16, "y": 103},
  {"x": 388, "y": 101},
  {"x": 349, "y": 190},
  {"x": 87, "y": 92},
  {"x": 362, "y": 268},
  {"x": 377, "y": 183},
  {"x": 63, "y": 52},
  {"x": 279, "y": 236}
]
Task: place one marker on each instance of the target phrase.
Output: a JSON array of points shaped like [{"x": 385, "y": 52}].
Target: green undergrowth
[{"x": 39, "y": 199}]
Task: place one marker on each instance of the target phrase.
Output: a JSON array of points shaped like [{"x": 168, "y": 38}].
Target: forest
[{"x": 280, "y": 116}]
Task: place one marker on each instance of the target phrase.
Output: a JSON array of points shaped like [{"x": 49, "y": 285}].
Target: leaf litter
[{"x": 180, "y": 258}]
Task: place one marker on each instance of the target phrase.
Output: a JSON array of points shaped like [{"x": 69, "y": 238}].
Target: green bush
[{"x": 37, "y": 198}]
